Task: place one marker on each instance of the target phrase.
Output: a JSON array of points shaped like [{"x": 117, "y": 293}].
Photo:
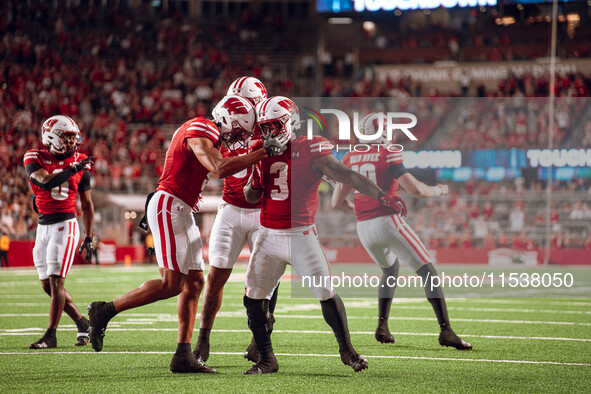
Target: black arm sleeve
[
  {"x": 57, "y": 180},
  {"x": 31, "y": 168},
  {"x": 84, "y": 182},
  {"x": 397, "y": 170}
]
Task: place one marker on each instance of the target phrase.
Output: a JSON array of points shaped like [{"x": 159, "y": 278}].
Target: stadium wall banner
[
  {"x": 448, "y": 75},
  {"x": 21, "y": 255}
]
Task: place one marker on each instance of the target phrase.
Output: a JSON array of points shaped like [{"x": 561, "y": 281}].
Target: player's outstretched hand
[
  {"x": 444, "y": 189},
  {"x": 276, "y": 145},
  {"x": 88, "y": 245},
  {"x": 84, "y": 164},
  {"x": 394, "y": 201}
]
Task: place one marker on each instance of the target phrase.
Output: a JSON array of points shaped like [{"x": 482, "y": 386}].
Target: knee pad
[
  {"x": 391, "y": 270},
  {"x": 258, "y": 313},
  {"x": 426, "y": 272}
]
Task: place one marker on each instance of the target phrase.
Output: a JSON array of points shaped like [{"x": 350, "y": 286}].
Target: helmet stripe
[{"x": 242, "y": 80}]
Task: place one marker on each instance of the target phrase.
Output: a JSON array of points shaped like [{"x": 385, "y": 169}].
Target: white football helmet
[
  {"x": 276, "y": 116},
  {"x": 235, "y": 116},
  {"x": 250, "y": 88},
  {"x": 61, "y": 134},
  {"x": 370, "y": 126}
]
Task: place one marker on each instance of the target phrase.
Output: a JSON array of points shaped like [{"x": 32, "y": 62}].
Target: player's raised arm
[
  {"x": 220, "y": 166},
  {"x": 253, "y": 190},
  {"x": 339, "y": 198},
  {"x": 420, "y": 189},
  {"x": 46, "y": 181}
]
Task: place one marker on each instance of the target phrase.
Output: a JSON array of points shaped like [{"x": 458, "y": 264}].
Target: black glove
[
  {"x": 276, "y": 145},
  {"x": 84, "y": 164},
  {"x": 88, "y": 244}
]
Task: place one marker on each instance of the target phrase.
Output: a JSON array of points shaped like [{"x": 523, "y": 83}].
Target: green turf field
[{"x": 520, "y": 344}]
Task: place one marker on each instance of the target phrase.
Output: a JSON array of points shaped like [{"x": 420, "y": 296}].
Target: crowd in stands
[{"x": 129, "y": 80}]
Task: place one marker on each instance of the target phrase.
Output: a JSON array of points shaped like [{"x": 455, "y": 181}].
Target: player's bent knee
[
  {"x": 257, "y": 312},
  {"x": 323, "y": 294}
]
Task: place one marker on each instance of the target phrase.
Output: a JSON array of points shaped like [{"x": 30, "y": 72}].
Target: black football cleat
[
  {"x": 201, "y": 351},
  {"x": 448, "y": 337},
  {"x": 189, "y": 364},
  {"x": 252, "y": 353},
  {"x": 383, "y": 334},
  {"x": 44, "y": 343},
  {"x": 267, "y": 364},
  {"x": 98, "y": 324},
  {"x": 354, "y": 360}
]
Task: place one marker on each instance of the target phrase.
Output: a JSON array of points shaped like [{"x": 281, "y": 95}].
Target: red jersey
[
  {"x": 234, "y": 184},
  {"x": 61, "y": 199},
  {"x": 184, "y": 176},
  {"x": 290, "y": 184},
  {"x": 375, "y": 165}
]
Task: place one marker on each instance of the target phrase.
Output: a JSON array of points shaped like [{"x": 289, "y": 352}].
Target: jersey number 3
[{"x": 279, "y": 172}]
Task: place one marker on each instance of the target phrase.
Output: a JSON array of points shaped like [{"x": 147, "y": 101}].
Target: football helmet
[
  {"x": 236, "y": 119},
  {"x": 250, "y": 88},
  {"x": 61, "y": 134},
  {"x": 370, "y": 126},
  {"x": 276, "y": 116}
]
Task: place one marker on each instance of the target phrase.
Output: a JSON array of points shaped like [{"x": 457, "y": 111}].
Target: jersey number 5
[
  {"x": 60, "y": 192},
  {"x": 279, "y": 172}
]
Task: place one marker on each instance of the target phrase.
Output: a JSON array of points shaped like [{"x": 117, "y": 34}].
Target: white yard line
[
  {"x": 484, "y": 360},
  {"x": 242, "y": 314},
  {"x": 40, "y": 331}
]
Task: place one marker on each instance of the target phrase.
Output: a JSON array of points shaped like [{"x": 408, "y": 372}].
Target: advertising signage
[{"x": 336, "y": 6}]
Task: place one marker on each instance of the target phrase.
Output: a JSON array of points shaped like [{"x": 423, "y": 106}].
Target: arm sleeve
[
  {"x": 397, "y": 170},
  {"x": 84, "y": 182},
  {"x": 57, "y": 180},
  {"x": 31, "y": 168}
]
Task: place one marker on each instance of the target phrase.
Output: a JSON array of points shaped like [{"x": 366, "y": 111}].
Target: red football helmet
[
  {"x": 61, "y": 134},
  {"x": 236, "y": 118},
  {"x": 250, "y": 88},
  {"x": 277, "y": 115}
]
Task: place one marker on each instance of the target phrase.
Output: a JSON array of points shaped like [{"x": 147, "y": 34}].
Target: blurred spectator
[{"x": 517, "y": 218}]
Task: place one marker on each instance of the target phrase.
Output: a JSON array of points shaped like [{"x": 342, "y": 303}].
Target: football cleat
[
  {"x": 354, "y": 360},
  {"x": 448, "y": 337},
  {"x": 252, "y": 353},
  {"x": 201, "y": 351},
  {"x": 81, "y": 340},
  {"x": 44, "y": 343},
  {"x": 189, "y": 364},
  {"x": 383, "y": 334},
  {"x": 98, "y": 324},
  {"x": 83, "y": 332},
  {"x": 267, "y": 364}
]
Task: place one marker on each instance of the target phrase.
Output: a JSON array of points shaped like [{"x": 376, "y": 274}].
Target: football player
[
  {"x": 385, "y": 234},
  {"x": 235, "y": 225},
  {"x": 57, "y": 175},
  {"x": 288, "y": 187},
  {"x": 193, "y": 157}
]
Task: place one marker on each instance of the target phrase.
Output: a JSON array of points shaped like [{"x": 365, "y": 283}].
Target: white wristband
[{"x": 437, "y": 191}]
